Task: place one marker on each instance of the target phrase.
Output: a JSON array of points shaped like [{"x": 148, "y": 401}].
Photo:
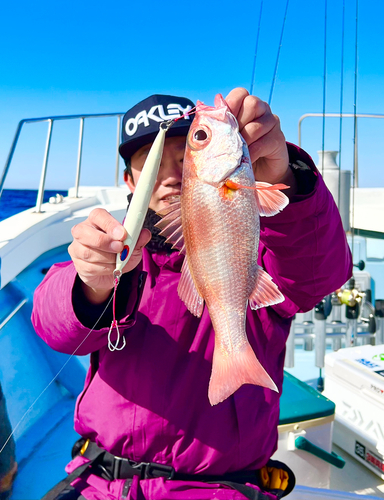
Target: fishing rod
[
  {"x": 278, "y": 54},
  {"x": 354, "y": 176},
  {"x": 341, "y": 98},
  {"x": 324, "y": 85},
  {"x": 257, "y": 43}
]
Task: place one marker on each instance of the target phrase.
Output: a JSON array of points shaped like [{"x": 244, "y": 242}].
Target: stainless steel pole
[
  {"x": 289, "y": 361},
  {"x": 351, "y": 333},
  {"x": 380, "y": 331},
  {"x": 10, "y": 156},
  {"x": 79, "y": 155},
  {"x": 320, "y": 342},
  {"x": 40, "y": 194}
]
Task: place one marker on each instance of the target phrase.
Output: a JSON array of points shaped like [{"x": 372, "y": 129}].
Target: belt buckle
[{"x": 154, "y": 470}]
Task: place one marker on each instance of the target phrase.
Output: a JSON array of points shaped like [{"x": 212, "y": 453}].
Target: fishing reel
[{"x": 358, "y": 304}]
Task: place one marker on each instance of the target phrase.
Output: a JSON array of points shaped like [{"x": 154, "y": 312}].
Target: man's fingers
[
  {"x": 272, "y": 148},
  {"x": 103, "y": 220},
  {"x": 254, "y": 130},
  {"x": 92, "y": 255},
  {"x": 252, "y": 109},
  {"x": 90, "y": 270},
  {"x": 143, "y": 239},
  {"x": 235, "y": 99},
  {"x": 137, "y": 253},
  {"x": 262, "y": 133},
  {"x": 267, "y": 145},
  {"x": 95, "y": 238}
]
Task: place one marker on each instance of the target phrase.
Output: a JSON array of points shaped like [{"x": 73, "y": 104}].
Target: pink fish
[{"x": 216, "y": 224}]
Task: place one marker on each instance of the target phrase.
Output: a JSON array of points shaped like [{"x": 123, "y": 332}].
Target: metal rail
[
  {"x": 10, "y": 316},
  {"x": 334, "y": 115},
  {"x": 51, "y": 120}
]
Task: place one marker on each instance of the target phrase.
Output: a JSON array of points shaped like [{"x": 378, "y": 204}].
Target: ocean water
[{"x": 14, "y": 201}]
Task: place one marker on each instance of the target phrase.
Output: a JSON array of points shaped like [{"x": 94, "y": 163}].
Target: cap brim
[{"x": 129, "y": 148}]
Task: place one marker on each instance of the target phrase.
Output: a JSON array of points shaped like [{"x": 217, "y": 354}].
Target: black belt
[{"x": 111, "y": 467}]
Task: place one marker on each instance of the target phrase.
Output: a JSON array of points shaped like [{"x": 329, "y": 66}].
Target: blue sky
[{"x": 92, "y": 57}]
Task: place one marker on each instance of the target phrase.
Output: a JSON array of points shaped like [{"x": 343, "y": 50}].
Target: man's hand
[
  {"x": 266, "y": 142},
  {"x": 96, "y": 242}
]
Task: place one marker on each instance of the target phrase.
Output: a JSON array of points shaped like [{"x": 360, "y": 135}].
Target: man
[{"x": 148, "y": 401}]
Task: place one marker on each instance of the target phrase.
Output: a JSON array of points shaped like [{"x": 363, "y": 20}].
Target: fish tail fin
[{"x": 229, "y": 372}]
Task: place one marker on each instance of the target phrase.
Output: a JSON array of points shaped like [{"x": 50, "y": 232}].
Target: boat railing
[
  {"x": 12, "y": 313},
  {"x": 51, "y": 120},
  {"x": 334, "y": 115},
  {"x": 341, "y": 115}
]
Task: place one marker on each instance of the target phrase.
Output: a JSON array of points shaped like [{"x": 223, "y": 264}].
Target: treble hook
[{"x": 111, "y": 346}]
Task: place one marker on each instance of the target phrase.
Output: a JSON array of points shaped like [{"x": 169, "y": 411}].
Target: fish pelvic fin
[
  {"x": 231, "y": 371},
  {"x": 266, "y": 292},
  {"x": 188, "y": 292},
  {"x": 170, "y": 224}
]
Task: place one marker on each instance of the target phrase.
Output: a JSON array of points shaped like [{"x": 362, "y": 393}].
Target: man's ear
[{"x": 129, "y": 182}]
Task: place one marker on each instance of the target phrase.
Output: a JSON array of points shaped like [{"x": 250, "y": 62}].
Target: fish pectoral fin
[
  {"x": 170, "y": 224},
  {"x": 188, "y": 292},
  {"x": 266, "y": 292},
  {"x": 270, "y": 200},
  {"x": 229, "y": 372}
]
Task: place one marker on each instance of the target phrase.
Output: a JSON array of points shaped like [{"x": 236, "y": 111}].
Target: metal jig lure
[
  {"x": 134, "y": 219},
  {"x": 138, "y": 207}
]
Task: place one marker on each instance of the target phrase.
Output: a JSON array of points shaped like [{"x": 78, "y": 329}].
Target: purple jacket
[{"x": 149, "y": 401}]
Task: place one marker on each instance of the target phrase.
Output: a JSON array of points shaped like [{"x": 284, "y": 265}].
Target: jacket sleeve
[
  {"x": 64, "y": 319},
  {"x": 304, "y": 247}
]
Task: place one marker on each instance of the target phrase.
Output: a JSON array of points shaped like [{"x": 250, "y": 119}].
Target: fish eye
[{"x": 200, "y": 135}]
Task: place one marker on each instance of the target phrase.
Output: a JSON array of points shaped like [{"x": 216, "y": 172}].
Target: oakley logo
[{"x": 156, "y": 114}]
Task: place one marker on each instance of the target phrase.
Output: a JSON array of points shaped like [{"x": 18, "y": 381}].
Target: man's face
[{"x": 168, "y": 181}]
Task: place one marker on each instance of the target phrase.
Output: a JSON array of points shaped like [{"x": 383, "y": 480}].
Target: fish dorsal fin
[
  {"x": 174, "y": 204},
  {"x": 270, "y": 200},
  {"x": 170, "y": 224},
  {"x": 266, "y": 292},
  {"x": 188, "y": 292}
]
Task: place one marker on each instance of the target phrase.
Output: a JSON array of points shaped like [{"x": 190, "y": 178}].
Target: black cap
[{"x": 141, "y": 123}]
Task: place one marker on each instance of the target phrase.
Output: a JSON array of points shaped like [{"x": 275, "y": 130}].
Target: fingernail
[{"x": 118, "y": 233}]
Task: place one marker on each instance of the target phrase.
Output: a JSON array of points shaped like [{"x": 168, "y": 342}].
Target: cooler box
[
  {"x": 354, "y": 380},
  {"x": 306, "y": 422}
]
